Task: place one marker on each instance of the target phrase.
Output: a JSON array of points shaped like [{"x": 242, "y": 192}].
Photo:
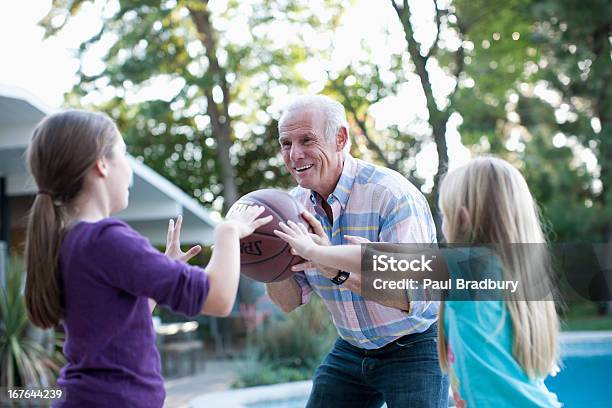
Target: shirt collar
[{"x": 342, "y": 192}]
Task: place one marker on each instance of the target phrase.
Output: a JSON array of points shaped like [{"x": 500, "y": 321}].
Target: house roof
[{"x": 153, "y": 199}]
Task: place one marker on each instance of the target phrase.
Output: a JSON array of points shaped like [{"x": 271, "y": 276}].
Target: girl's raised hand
[
  {"x": 173, "y": 242},
  {"x": 246, "y": 220},
  {"x": 298, "y": 237}
]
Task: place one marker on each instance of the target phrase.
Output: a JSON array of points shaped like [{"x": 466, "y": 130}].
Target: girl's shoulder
[
  {"x": 109, "y": 232},
  {"x": 108, "y": 224}
]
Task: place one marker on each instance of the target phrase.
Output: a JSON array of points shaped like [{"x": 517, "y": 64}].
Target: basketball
[{"x": 265, "y": 257}]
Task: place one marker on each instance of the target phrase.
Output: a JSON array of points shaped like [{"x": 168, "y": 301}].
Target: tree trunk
[
  {"x": 437, "y": 118},
  {"x": 218, "y": 112}
]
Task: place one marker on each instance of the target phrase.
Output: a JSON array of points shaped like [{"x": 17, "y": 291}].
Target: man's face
[{"x": 313, "y": 161}]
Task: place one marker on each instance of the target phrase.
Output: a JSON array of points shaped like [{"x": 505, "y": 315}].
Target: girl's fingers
[
  {"x": 256, "y": 210},
  {"x": 193, "y": 251},
  {"x": 170, "y": 232},
  {"x": 286, "y": 228},
  {"x": 177, "y": 229},
  {"x": 356, "y": 240},
  {"x": 282, "y": 235},
  {"x": 315, "y": 238},
  {"x": 261, "y": 221},
  {"x": 295, "y": 227}
]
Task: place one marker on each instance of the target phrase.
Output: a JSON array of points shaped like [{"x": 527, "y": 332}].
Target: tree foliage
[
  {"x": 531, "y": 83},
  {"x": 539, "y": 95},
  {"x": 214, "y": 135}
]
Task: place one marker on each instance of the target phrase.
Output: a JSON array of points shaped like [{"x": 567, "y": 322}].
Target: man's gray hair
[{"x": 335, "y": 116}]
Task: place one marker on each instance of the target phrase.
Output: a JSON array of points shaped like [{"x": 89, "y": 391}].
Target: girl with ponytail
[{"x": 98, "y": 277}]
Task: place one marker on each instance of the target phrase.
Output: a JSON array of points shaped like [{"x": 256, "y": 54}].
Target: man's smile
[{"x": 303, "y": 168}]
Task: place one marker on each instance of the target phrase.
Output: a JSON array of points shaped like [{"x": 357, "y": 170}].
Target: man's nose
[{"x": 296, "y": 152}]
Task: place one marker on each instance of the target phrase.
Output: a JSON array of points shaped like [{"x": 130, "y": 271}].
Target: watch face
[{"x": 340, "y": 278}]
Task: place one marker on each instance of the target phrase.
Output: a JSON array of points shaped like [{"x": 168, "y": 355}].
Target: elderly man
[{"x": 385, "y": 352}]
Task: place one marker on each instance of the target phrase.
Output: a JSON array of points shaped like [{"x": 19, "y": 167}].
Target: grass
[{"x": 583, "y": 316}]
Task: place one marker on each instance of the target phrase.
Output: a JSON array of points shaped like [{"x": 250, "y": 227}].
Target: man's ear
[
  {"x": 101, "y": 167},
  {"x": 341, "y": 138}
]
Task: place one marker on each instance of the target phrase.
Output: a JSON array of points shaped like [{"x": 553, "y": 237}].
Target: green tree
[
  {"x": 362, "y": 84},
  {"x": 575, "y": 37},
  {"x": 538, "y": 94},
  {"x": 226, "y": 59},
  {"x": 358, "y": 87}
]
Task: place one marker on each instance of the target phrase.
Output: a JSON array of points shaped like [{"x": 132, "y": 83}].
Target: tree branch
[
  {"x": 362, "y": 126},
  {"x": 398, "y": 9},
  {"x": 201, "y": 18},
  {"x": 434, "y": 46},
  {"x": 459, "y": 61}
]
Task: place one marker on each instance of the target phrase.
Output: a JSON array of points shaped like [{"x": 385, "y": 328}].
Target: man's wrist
[{"x": 340, "y": 278}]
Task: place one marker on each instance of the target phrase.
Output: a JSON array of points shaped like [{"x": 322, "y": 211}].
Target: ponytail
[{"x": 42, "y": 290}]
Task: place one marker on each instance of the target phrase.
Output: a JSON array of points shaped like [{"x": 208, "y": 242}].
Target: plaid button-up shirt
[{"x": 383, "y": 206}]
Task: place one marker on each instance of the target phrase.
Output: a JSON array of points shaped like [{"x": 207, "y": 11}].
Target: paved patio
[{"x": 216, "y": 376}]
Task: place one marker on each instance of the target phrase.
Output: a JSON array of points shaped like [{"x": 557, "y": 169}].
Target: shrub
[
  {"x": 24, "y": 362},
  {"x": 289, "y": 348}
]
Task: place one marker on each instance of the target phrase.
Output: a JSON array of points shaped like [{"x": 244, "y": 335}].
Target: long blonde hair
[{"x": 488, "y": 201}]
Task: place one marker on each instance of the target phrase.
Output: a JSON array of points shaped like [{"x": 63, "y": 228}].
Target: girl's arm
[
  {"x": 340, "y": 257},
  {"x": 223, "y": 271},
  {"x": 224, "y": 267}
]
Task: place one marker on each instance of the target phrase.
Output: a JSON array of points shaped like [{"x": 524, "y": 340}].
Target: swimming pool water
[{"x": 584, "y": 380}]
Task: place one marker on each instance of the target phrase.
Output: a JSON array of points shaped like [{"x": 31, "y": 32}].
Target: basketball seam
[{"x": 285, "y": 268}]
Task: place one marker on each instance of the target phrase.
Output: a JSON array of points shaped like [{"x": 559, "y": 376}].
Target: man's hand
[{"x": 173, "y": 242}]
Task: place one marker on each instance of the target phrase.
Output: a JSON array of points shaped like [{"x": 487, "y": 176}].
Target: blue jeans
[{"x": 404, "y": 373}]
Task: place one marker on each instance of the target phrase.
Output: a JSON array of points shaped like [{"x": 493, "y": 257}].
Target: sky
[{"x": 47, "y": 67}]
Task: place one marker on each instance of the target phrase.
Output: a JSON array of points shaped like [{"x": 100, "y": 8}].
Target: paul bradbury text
[{"x": 449, "y": 284}]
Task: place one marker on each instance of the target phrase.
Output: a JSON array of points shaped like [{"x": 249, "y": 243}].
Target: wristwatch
[{"x": 340, "y": 278}]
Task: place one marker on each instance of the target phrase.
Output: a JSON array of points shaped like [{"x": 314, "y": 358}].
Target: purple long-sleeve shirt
[{"x": 108, "y": 271}]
